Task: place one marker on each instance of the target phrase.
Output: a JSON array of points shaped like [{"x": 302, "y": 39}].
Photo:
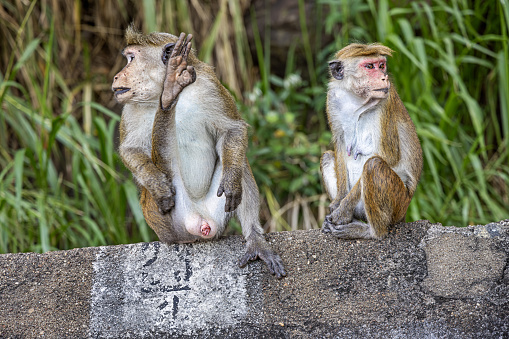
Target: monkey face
[
  {"x": 141, "y": 80},
  {"x": 372, "y": 79}
]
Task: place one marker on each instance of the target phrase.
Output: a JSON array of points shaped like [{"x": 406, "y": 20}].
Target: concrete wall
[{"x": 422, "y": 281}]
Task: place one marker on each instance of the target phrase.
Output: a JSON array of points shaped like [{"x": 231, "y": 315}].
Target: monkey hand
[
  {"x": 341, "y": 216},
  {"x": 232, "y": 190},
  {"x": 178, "y": 74},
  {"x": 259, "y": 248},
  {"x": 165, "y": 198}
]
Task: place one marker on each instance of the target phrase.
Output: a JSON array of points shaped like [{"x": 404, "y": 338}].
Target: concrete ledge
[{"x": 423, "y": 281}]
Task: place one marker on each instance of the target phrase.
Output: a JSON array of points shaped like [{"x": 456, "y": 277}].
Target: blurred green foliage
[{"x": 62, "y": 184}]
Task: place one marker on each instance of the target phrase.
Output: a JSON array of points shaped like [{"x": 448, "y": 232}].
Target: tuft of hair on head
[
  {"x": 359, "y": 50},
  {"x": 135, "y": 37}
]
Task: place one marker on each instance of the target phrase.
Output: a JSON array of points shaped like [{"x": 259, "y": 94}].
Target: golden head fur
[
  {"x": 361, "y": 50},
  {"x": 135, "y": 37}
]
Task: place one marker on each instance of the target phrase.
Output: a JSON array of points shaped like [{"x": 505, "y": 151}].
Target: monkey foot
[
  {"x": 354, "y": 230},
  {"x": 205, "y": 229},
  {"x": 261, "y": 250}
]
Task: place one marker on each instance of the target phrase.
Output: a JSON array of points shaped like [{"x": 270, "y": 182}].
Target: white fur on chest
[
  {"x": 359, "y": 125},
  {"x": 139, "y": 120}
]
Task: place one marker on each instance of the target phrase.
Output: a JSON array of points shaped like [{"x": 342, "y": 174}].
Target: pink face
[{"x": 373, "y": 78}]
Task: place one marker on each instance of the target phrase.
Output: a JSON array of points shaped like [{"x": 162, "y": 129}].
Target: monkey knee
[
  {"x": 327, "y": 158},
  {"x": 374, "y": 165}
]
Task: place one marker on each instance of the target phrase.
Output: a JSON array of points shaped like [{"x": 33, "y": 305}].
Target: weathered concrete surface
[{"x": 422, "y": 281}]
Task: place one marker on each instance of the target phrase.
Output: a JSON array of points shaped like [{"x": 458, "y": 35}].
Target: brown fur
[
  {"x": 384, "y": 195},
  {"x": 179, "y": 128}
]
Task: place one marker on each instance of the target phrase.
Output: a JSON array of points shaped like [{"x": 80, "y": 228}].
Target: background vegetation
[{"x": 62, "y": 184}]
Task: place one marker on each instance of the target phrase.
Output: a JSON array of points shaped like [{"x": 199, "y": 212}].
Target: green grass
[{"x": 62, "y": 184}]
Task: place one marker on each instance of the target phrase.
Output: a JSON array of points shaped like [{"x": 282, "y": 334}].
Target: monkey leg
[
  {"x": 385, "y": 199},
  {"x": 385, "y": 196},
  {"x": 248, "y": 215},
  {"x": 160, "y": 223}
]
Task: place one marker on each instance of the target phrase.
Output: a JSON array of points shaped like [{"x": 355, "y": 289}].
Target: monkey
[
  {"x": 184, "y": 141},
  {"x": 372, "y": 173}
]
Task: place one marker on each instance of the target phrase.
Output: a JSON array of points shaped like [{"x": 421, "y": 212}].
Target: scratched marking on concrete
[{"x": 160, "y": 287}]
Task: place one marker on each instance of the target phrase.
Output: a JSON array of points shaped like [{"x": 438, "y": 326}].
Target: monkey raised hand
[{"x": 178, "y": 73}]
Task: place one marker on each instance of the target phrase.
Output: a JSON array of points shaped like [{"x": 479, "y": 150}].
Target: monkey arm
[
  {"x": 233, "y": 159},
  {"x": 164, "y": 121},
  {"x": 342, "y": 179},
  {"x": 149, "y": 176}
]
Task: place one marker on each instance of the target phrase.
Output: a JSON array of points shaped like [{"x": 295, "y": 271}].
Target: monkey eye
[
  {"x": 370, "y": 66},
  {"x": 129, "y": 57},
  {"x": 382, "y": 65}
]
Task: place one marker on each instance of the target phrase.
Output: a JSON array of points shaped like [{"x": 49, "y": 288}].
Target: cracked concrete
[{"x": 422, "y": 280}]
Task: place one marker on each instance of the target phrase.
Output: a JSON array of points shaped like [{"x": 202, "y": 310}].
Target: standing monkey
[
  {"x": 185, "y": 143},
  {"x": 373, "y": 171}
]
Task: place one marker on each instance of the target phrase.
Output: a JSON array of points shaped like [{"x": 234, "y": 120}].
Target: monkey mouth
[
  {"x": 120, "y": 90},
  {"x": 385, "y": 90}
]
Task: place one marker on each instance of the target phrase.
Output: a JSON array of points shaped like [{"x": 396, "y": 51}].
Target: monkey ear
[
  {"x": 167, "y": 52},
  {"x": 336, "y": 69}
]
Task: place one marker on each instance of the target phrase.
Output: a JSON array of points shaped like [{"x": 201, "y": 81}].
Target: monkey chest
[{"x": 361, "y": 143}]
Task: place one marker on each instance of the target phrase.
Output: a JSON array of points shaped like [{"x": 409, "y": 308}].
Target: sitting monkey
[
  {"x": 376, "y": 164},
  {"x": 185, "y": 142}
]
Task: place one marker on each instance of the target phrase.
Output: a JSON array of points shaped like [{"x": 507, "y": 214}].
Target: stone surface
[{"x": 423, "y": 280}]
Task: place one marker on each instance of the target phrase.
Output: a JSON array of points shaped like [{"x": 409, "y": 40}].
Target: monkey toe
[
  {"x": 246, "y": 258},
  {"x": 272, "y": 260},
  {"x": 276, "y": 267},
  {"x": 327, "y": 224}
]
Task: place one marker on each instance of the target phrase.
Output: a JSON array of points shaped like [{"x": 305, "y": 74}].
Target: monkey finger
[
  {"x": 184, "y": 79},
  {"x": 326, "y": 226},
  {"x": 178, "y": 45},
  {"x": 187, "y": 47},
  {"x": 184, "y": 45},
  {"x": 191, "y": 71},
  {"x": 230, "y": 204},
  {"x": 181, "y": 68},
  {"x": 165, "y": 204},
  {"x": 220, "y": 190}
]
